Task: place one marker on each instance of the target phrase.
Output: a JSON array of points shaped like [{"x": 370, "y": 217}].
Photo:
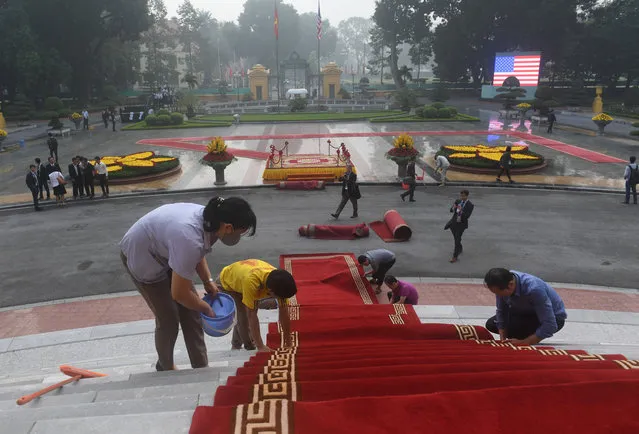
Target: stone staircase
[{"x": 132, "y": 398}]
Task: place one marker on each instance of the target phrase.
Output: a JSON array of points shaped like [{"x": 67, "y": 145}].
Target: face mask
[{"x": 231, "y": 239}]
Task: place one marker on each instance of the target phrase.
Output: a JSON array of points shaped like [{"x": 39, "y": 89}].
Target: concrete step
[
  {"x": 171, "y": 422},
  {"x": 204, "y": 388},
  {"x": 155, "y": 407}
]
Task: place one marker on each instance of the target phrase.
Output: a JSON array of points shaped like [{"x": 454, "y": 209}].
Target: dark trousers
[
  {"x": 169, "y": 316},
  {"x": 381, "y": 271},
  {"x": 520, "y": 326},
  {"x": 54, "y": 153},
  {"x": 411, "y": 191},
  {"x": 85, "y": 124},
  {"x": 44, "y": 185},
  {"x": 550, "y": 125},
  {"x": 78, "y": 187},
  {"x": 342, "y": 204},
  {"x": 457, "y": 232},
  {"x": 89, "y": 186},
  {"x": 104, "y": 184},
  {"x": 503, "y": 170},
  {"x": 35, "y": 193},
  {"x": 106, "y": 122},
  {"x": 629, "y": 188}
]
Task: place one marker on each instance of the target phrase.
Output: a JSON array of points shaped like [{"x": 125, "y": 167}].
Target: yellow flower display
[
  {"x": 494, "y": 156},
  {"x": 524, "y": 106},
  {"x": 76, "y": 116},
  {"x": 461, "y": 155},
  {"x": 138, "y": 163},
  {"x": 162, "y": 159},
  {"x": 404, "y": 141},
  {"x": 217, "y": 146},
  {"x": 112, "y": 169},
  {"x": 3, "y": 133},
  {"x": 484, "y": 149},
  {"x": 483, "y": 156},
  {"x": 603, "y": 117},
  {"x": 137, "y": 156}
]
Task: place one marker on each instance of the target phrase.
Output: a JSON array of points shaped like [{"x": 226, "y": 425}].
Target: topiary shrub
[
  {"x": 430, "y": 112},
  {"x": 190, "y": 112},
  {"x": 443, "y": 113},
  {"x": 177, "y": 118},
  {"x": 419, "y": 112},
  {"x": 151, "y": 120},
  {"x": 53, "y": 103},
  {"x": 344, "y": 94},
  {"x": 453, "y": 111},
  {"x": 162, "y": 112},
  {"x": 55, "y": 123},
  {"x": 64, "y": 113},
  {"x": 405, "y": 99},
  {"x": 164, "y": 120},
  {"x": 298, "y": 104},
  {"x": 50, "y": 115},
  {"x": 438, "y": 105}
]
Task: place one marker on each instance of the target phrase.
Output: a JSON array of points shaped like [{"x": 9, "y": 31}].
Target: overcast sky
[{"x": 334, "y": 10}]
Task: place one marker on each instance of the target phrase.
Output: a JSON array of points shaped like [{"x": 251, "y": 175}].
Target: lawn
[
  {"x": 412, "y": 118},
  {"x": 302, "y": 117},
  {"x": 187, "y": 124}
]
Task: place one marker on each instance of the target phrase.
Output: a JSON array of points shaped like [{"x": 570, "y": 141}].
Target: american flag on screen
[
  {"x": 524, "y": 67},
  {"x": 319, "y": 21}
]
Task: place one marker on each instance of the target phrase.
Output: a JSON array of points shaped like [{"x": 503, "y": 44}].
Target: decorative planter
[
  {"x": 219, "y": 175},
  {"x": 2, "y": 138},
  {"x": 219, "y": 166},
  {"x": 77, "y": 123},
  {"x": 522, "y": 120},
  {"x": 601, "y": 125},
  {"x": 402, "y": 164}
]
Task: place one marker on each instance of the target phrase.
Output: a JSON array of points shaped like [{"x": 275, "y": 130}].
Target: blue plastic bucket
[{"x": 223, "y": 306}]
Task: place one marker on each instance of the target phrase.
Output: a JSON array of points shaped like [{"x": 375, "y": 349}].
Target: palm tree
[
  {"x": 405, "y": 73},
  {"x": 190, "y": 80}
]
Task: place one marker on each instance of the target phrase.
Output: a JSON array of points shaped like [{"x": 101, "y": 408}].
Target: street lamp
[{"x": 237, "y": 76}]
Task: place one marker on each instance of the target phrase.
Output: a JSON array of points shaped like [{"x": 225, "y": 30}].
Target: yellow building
[
  {"x": 331, "y": 75},
  {"x": 258, "y": 82}
]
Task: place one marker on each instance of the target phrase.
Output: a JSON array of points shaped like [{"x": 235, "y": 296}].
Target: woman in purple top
[{"x": 402, "y": 292}]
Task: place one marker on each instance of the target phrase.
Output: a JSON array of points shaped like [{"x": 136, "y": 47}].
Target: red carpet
[
  {"x": 361, "y": 367},
  {"x": 393, "y": 228},
  {"x": 575, "y": 151},
  {"x": 301, "y": 185},
  {"x": 334, "y": 232}
]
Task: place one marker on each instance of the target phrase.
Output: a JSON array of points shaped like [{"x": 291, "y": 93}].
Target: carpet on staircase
[{"x": 357, "y": 366}]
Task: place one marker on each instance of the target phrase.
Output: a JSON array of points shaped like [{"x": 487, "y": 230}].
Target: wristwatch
[{"x": 210, "y": 280}]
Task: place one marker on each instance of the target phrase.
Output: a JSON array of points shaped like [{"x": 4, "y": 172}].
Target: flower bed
[
  {"x": 487, "y": 157},
  {"x": 138, "y": 165}
]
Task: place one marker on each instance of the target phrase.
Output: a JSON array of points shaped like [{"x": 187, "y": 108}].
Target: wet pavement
[{"x": 367, "y": 152}]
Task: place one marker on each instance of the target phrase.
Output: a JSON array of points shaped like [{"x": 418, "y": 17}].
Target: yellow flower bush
[
  {"x": 483, "y": 148},
  {"x": 76, "y": 116},
  {"x": 137, "y": 156},
  {"x": 524, "y": 106},
  {"x": 217, "y": 146},
  {"x": 162, "y": 159},
  {"x": 461, "y": 155},
  {"x": 494, "y": 156},
  {"x": 138, "y": 163},
  {"x": 112, "y": 169},
  {"x": 404, "y": 141},
  {"x": 602, "y": 117},
  {"x": 3, "y": 133},
  {"x": 144, "y": 161},
  {"x": 487, "y": 157}
]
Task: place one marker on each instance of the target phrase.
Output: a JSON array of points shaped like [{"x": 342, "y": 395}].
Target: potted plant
[
  {"x": 218, "y": 158},
  {"x": 3, "y": 135},
  {"x": 523, "y": 109},
  {"x": 76, "y": 118},
  {"x": 403, "y": 151},
  {"x": 601, "y": 120}
]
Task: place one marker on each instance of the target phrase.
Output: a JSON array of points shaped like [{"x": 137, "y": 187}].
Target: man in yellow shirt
[{"x": 249, "y": 282}]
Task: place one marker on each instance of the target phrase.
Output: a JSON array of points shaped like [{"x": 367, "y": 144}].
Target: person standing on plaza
[
  {"x": 77, "y": 180},
  {"x": 441, "y": 166},
  {"x": 251, "y": 282},
  {"x": 462, "y": 210},
  {"x": 85, "y": 119},
  {"x": 380, "y": 261},
  {"x": 162, "y": 252},
  {"x": 113, "y": 119},
  {"x": 105, "y": 118},
  {"x": 505, "y": 162},
  {"x": 57, "y": 184},
  {"x": 411, "y": 181},
  {"x": 102, "y": 172},
  {"x": 88, "y": 177},
  {"x": 350, "y": 191},
  {"x": 528, "y": 309},
  {"x": 552, "y": 118},
  {"x": 53, "y": 166},
  {"x": 401, "y": 292},
  {"x": 33, "y": 183},
  {"x": 43, "y": 177},
  {"x": 631, "y": 176},
  {"x": 52, "y": 143}
]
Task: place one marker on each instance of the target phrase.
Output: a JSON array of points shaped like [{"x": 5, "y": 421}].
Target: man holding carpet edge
[{"x": 250, "y": 283}]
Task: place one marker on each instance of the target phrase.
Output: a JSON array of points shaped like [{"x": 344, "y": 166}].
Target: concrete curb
[{"x": 547, "y": 187}]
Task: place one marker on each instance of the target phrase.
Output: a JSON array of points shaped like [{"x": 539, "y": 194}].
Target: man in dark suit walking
[
  {"x": 350, "y": 191},
  {"x": 75, "y": 172},
  {"x": 411, "y": 181},
  {"x": 33, "y": 183},
  {"x": 52, "y": 143},
  {"x": 43, "y": 178},
  {"x": 461, "y": 209}
]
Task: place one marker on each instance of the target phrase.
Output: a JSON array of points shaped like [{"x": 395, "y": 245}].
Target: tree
[
  {"x": 156, "y": 43},
  {"x": 189, "y": 26},
  {"x": 405, "y": 74},
  {"x": 420, "y": 52},
  {"x": 378, "y": 55},
  {"x": 354, "y": 33},
  {"x": 191, "y": 80}
]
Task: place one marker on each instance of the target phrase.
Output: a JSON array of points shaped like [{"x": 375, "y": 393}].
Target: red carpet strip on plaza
[
  {"x": 334, "y": 232},
  {"x": 349, "y": 358},
  {"x": 328, "y": 278},
  {"x": 392, "y": 228},
  {"x": 575, "y": 151},
  {"x": 300, "y": 185}
]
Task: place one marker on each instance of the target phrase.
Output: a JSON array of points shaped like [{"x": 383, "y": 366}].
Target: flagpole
[
  {"x": 277, "y": 56},
  {"x": 319, "y": 67}
]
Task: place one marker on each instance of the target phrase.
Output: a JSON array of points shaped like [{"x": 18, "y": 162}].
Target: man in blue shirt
[{"x": 528, "y": 309}]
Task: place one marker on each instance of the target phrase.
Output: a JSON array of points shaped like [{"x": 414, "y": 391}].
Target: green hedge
[
  {"x": 481, "y": 163},
  {"x": 188, "y": 124},
  {"x": 415, "y": 118}
]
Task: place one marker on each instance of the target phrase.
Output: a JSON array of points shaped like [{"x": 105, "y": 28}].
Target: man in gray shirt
[
  {"x": 380, "y": 261},
  {"x": 164, "y": 249}
]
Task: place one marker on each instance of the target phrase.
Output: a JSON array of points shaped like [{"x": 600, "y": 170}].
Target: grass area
[
  {"x": 131, "y": 172},
  {"x": 302, "y": 117},
  {"x": 483, "y": 163},
  {"x": 188, "y": 124},
  {"x": 413, "y": 118}
]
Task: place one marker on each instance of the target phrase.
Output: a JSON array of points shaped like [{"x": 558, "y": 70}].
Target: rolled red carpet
[
  {"x": 300, "y": 185},
  {"x": 392, "y": 228},
  {"x": 334, "y": 232}
]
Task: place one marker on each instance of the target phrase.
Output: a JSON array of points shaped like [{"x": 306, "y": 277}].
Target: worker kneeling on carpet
[
  {"x": 252, "y": 283},
  {"x": 380, "y": 261},
  {"x": 401, "y": 292},
  {"x": 528, "y": 309}
]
